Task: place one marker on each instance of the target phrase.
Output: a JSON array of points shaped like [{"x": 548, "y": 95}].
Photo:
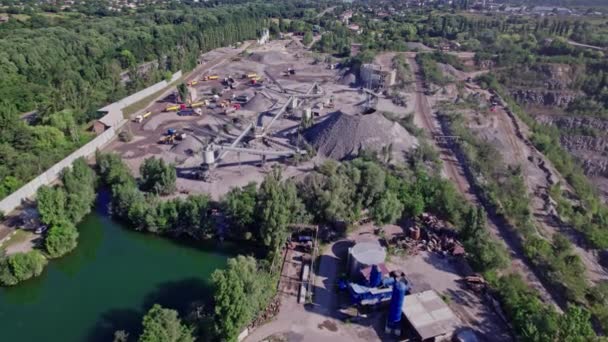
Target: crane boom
[
  {"x": 275, "y": 81},
  {"x": 281, "y": 111},
  {"x": 259, "y": 152},
  {"x": 236, "y": 141}
]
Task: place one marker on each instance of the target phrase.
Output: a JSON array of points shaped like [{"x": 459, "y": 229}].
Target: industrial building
[
  {"x": 428, "y": 316},
  {"x": 374, "y": 77}
]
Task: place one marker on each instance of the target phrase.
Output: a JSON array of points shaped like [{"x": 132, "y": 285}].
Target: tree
[
  {"x": 164, "y": 325},
  {"x": 183, "y": 92},
  {"x": 21, "y": 266},
  {"x": 307, "y": 39},
  {"x": 387, "y": 209},
  {"x": 484, "y": 253},
  {"x": 239, "y": 205},
  {"x": 65, "y": 122},
  {"x": 51, "y": 204},
  {"x": 273, "y": 211},
  {"x": 79, "y": 184},
  {"x": 61, "y": 239},
  {"x": 127, "y": 60},
  {"x": 157, "y": 176},
  {"x": 241, "y": 291}
]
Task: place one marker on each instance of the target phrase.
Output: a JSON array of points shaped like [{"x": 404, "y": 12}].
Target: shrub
[
  {"x": 21, "y": 266},
  {"x": 61, "y": 239}
]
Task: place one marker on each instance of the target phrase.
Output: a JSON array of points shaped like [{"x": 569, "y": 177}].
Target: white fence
[
  {"x": 15, "y": 199},
  {"x": 142, "y": 94}
]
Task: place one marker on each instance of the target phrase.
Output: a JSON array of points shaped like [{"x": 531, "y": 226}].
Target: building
[
  {"x": 429, "y": 317},
  {"x": 265, "y": 37},
  {"x": 4, "y": 18},
  {"x": 549, "y": 10},
  {"x": 355, "y": 28},
  {"x": 373, "y": 76},
  {"x": 113, "y": 117},
  {"x": 345, "y": 17}
]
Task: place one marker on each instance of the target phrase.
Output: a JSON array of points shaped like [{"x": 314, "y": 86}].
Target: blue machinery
[
  {"x": 378, "y": 290},
  {"x": 393, "y": 321},
  {"x": 375, "y": 290}
]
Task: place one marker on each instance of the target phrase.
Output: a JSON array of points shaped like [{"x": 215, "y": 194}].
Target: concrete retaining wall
[
  {"x": 27, "y": 191},
  {"x": 14, "y": 200},
  {"x": 142, "y": 94}
]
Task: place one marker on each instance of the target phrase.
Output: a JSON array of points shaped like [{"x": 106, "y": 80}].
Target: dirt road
[
  {"x": 539, "y": 176},
  {"x": 453, "y": 170}
]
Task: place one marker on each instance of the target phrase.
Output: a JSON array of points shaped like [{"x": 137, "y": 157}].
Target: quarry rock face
[
  {"x": 574, "y": 122},
  {"x": 543, "y": 97}
]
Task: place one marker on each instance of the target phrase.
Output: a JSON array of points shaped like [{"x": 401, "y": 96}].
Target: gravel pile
[
  {"x": 259, "y": 103},
  {"x": 341, "y": 136},
  {"x": 187, "y": 147},
  {"x": 349, "y": 79}
]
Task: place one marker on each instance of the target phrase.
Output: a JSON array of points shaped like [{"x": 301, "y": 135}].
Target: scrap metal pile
[
  {"x": 429, "y": 236},
  {"x": 269, "y": 313}
]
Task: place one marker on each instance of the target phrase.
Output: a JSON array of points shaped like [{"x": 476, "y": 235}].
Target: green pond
[{"x": 112, "y": 278}]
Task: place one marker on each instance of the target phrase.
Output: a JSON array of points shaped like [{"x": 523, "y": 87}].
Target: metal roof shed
[{"x": 429, "y": 315}]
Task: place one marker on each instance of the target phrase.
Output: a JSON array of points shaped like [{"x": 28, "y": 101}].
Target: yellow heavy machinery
[
  {"x": 169, "y": 137},
  {"x": 224, "y": 103},
  {"x": 172, "y": 108},
  {"x": 251, "y": 75},
  {"x": 143, "y": 116},
  {"x": 192, "y": 83},
  {"x": 203, "y": 103},
  {"x": 211, "y": 78}
]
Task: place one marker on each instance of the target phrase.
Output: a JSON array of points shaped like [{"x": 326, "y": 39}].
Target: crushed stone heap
[
  {"x": 258, "y": 103},
  {"x": 341, "y": 135}
]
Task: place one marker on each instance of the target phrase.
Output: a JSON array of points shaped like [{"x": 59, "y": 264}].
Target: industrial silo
[
  {"x": 365, "y": 254},
  {"x": 395, "y": 310}
]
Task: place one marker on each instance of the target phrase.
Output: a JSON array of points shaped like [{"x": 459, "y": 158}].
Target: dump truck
[
  {"x": 199, "y": 104},
  {"x": 250, "y": 75},
  {"x": 141, "y": 117},
  {"x": 256, "y": 80},
  {"x": 192, "y": 83},
  {"x": 211, "y": 78},
  {"x": 242, "y": 98},
  {"x": 175, "y": 108}
]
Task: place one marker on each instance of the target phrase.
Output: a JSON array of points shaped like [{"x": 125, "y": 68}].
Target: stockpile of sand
[
  {"x": 259, "y": 103},
  {"x": 341, "y": 135}
]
